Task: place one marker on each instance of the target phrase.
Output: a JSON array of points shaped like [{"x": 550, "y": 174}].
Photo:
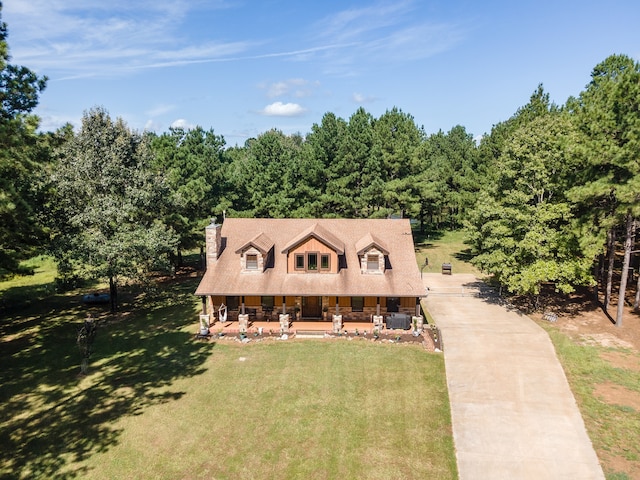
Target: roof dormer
[
  {"x": 254, "y": 254},
  {"x": 314, "y": 250},
  {"x": 319, "y": 233},
  {"x": 372, "y": 255}
]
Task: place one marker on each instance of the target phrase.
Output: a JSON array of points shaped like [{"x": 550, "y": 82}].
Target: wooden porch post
[
  {"x": 377, "y": 305},
  {"x": 242, "y": 304},
  {"x": 337, "y": 306},
  {"x": 284, "y": 305},
  {"x": 210, "y": 307}
]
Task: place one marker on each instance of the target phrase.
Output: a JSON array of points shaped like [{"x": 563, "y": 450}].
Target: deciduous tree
[{"x": 110, "y": 194}]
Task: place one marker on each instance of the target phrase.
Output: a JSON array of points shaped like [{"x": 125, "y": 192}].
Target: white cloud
[
  {"x": 278, "y": 89},
  {"x": 84, "y": 38},
  {"x": 279, "y": 109},
  {"x": 355, "y": 23},
  {"x": 360, "y": 98},
  {"x": 152, "y": 126},
  {"x": 297, "y": 87},
  {"x": 160, "y": 110},
  {"x": 182, "y": 123},
  {"x": 383, "y": 32}
]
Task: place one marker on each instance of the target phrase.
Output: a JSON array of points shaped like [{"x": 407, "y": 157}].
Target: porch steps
[{"x": 309, "y": 334}]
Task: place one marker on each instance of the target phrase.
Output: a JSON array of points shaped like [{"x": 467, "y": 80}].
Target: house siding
[{"x": 312, "y": 245}]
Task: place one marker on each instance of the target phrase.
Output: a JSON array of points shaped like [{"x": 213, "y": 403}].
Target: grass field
[
  {"x": 24, "y": 289},
  {"x": 158, "y": 404},
  {"x": 443, "y": 247},
  {"x": 614, "y": 428}
]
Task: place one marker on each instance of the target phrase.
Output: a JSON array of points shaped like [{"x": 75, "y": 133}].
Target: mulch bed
[{"x": 429, "y": 338}]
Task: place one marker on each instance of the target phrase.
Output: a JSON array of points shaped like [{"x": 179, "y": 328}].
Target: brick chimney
[{"x": 213, "y": 240}]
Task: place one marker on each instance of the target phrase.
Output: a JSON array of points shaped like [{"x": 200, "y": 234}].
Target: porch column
[
  {"x": 242, "y": 305},
  {"x": 210, "y": 308},
  {"x": 417, "y": 306},
  {"x": 284, "y": 323},
  {"x": 337, "y": 323},
  {"x": 378, "y": 306},
  {"x": 337, "y": 306},
  {"x": 243, "y": 323},
  {"x": 284, "y": 305},
  {"x": 204, "y": 305}
]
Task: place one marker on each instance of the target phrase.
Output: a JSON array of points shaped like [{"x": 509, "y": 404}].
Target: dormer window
[
  {"x": 312, "y": 261},
  {"x": 373, "y": 263},
  {"x": 315, "y": 250},
  {"x": 308, "y": 262},
  {"x": 256, "y": 254},
  {"x": 372, "y": 255},
  {"x": 252, "y": 261}
]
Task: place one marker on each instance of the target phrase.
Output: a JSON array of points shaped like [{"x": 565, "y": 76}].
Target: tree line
[{"x": 551, "y": 196}]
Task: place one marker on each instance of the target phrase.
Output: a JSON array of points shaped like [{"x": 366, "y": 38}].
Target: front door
[{"x": 311, "y": 307}]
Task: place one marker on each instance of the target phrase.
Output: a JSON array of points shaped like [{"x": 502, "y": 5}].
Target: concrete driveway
[{"x": 513, "y": 414}]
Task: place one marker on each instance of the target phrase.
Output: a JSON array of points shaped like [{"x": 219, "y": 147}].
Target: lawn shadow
[
  {"x": 14, "y": 299},
  {"x": 465, "y": 255},
  {"x": 581, "y": 300},
  {"x": 52, "y": 416},
  {"x": 425, "y": 239}
]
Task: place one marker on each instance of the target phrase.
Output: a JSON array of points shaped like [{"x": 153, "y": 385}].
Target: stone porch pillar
[
  {"x": 243, "y": 322},
  {"x": 284, "y": 323},
  {"x": 337, "y": 323},
  {"x": 419, "y": 319}
]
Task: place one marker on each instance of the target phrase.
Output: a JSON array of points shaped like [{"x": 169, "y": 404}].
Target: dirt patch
[
  {"x": 617, "y": 464},
  {"x": 614, "y": 394},
  {"x": 584, "y": 320},
  {"x": 604, "y": 340},
  {"x": 624, "y": 360}
]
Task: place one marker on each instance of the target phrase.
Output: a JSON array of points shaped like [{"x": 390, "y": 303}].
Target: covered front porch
[
  {"x": 233, "y": 327},
  {"x": 307, "y": 308},
  {"x": 299, "y": 327}
]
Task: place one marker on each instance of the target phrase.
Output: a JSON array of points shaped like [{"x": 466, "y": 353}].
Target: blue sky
[{"x": 244, "y": 67}]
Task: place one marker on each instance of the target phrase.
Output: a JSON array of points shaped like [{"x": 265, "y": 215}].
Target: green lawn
[
  {"x": 158, "y": 404},
  {"x": 23, "y": 289},
  {"x": 443, "y": 247},
  {"x": 613, "y": 429}
]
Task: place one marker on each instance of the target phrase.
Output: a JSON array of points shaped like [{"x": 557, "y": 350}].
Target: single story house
[{"x": 311, "y": 269}]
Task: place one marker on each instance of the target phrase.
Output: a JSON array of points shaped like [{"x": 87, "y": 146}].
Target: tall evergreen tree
[
  {"x": 397, "y": 139},
  {"x": 356, "y": 185},
  {"x": 192, "y": 162},
  {"x": 451, "y": 160},
  {"x": 266, "y": 170},
  {"x": 20, "y": 165},
  {"x": 608, "y": 187}
]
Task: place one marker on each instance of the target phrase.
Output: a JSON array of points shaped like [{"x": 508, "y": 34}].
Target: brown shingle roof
[
  {"x": 402, "y": 278},
  {"x": 319, "y": 233},
  {"x": 369, "y": 241},
  {"x": 260, "y": 241}
]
